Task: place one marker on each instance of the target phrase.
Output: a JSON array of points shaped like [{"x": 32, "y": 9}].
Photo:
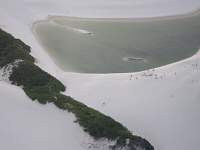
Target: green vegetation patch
[
  {"x": 12, "y": 49},
  {"x": 37, "y": 84},
  {"x": 41, "y": 86}
]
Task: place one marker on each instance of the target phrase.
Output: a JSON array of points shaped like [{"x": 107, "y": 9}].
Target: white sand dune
[
  {"x": 161, "y": 105},
  {"x": 28, "y": 125}
]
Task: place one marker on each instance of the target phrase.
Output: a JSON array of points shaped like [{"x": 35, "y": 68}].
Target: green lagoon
[{"x": 118, "y": 45}]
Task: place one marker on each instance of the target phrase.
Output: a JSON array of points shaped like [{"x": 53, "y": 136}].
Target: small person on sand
[
  {"x": 103, "y": 104},
  {"x": 131, "y": 76}
]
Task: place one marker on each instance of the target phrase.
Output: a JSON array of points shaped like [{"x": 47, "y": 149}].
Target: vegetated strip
[{"x": 41, "y": 86}]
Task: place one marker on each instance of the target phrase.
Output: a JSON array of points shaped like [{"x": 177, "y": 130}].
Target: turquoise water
[{"x": 116, "y": 46}]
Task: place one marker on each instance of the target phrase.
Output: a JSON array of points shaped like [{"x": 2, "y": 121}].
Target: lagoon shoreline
[
  {"x": 53, "y": 19},
  {"x": 134, "y": 19}
]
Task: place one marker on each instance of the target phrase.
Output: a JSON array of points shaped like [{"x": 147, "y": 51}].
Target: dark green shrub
[{"x": 12, "y": 49}]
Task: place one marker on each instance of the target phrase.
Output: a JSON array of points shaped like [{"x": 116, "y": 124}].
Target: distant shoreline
[{"x": 143, "y": 19}]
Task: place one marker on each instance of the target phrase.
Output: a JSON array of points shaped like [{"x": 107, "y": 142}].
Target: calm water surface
[{"x": 115, "y": 46}]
